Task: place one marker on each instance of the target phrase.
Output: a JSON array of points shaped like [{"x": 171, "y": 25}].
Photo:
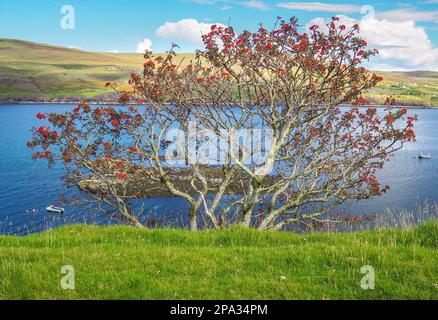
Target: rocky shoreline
[{"x": 142, "y": 186}]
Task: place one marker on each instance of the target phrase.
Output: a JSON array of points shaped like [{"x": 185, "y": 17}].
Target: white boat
[
  {"x": 54, "y": 209},
  {"x": 424, "y": 156}
]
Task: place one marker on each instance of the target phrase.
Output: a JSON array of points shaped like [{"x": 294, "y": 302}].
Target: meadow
[{"x": 236, "y": 263}]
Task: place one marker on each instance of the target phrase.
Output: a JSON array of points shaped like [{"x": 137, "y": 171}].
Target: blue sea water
[{"x": 27, "y": 187}]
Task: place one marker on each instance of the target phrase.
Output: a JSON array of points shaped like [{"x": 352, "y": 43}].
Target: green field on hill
[
  {"x": 236, "y": 263},
  {"x": 412, "y": 88},
  {"x": 39, "y": 72},
  {"x": 31, "y": 71}
]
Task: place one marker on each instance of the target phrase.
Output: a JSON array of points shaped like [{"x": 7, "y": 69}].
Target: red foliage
[
  {"x": 115, "y": 123},
  {"x": 122, "y": 176}
]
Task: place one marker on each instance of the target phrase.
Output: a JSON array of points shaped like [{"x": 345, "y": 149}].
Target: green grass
[{"x": 126, "y": 263}]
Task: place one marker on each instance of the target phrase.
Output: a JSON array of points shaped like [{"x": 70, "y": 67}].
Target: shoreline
[
  {"x": 56, "y": 103},
  {"x": 116, "y": 103}
]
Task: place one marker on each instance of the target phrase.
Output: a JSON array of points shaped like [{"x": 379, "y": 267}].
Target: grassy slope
[
  {"x": 29, "y": 70},
  {"x": 121, "y": 262},
  {"x": 416, "y": 87}
]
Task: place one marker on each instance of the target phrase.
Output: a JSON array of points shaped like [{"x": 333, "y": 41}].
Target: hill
[
  {"x": 236, "y": 263},
  {"x": 415, "y": 88},
  {"x": 39, "y": 72}
]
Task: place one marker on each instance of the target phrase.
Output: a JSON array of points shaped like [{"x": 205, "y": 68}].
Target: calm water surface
[{"x": 26, "y": 184}]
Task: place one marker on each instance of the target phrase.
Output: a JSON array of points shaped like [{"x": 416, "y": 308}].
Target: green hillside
[
  {"x": 38, "y": 72},
  {"x": 30, "y": 71},
  {"x": 412, "y": 88}
]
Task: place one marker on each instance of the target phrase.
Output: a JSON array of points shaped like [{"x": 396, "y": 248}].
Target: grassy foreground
[{"x": 125, "y": 263}]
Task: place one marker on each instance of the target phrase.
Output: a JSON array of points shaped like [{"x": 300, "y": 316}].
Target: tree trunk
[
  {"x": 125, "y": 212},
  {"x": 193, "y": 220},
  {"x": 246, "y": 217},
  {"x": 136, "y": 223}
]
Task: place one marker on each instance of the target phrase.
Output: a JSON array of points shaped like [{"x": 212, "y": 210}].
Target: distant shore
[
  {"x": 58, "y": 102},
  {"x": 117, "y": 103}
]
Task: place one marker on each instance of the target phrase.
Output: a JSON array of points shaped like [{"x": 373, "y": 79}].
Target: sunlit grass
[{"x": 126, "y": 263}]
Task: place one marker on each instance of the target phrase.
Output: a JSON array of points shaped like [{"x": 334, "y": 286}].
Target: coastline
[
  {"x": 56, "y": 103},
  {"x": 117, "y": 103}
]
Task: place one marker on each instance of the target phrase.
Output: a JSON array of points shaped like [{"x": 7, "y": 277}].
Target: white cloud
[
  {"x": 75, "y": 47},
  {"x": 186, "y": 30},
  {"x": 254, "y": 4},
  {"x": 409, "y": 14},
  {"x": 146, "y": 44},
  {"x": 402, "y": 45},
  {"x": 319, "y": 6}
]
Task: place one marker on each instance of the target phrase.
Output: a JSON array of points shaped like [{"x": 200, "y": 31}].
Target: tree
[
  {"x": 87, "y": 143},
  {"x": 304, "y": 154}
]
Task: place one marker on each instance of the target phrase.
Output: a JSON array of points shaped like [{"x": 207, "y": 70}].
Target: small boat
[
  {"x": 424, "y": 156},
  {"x": 54, "y": 209}
]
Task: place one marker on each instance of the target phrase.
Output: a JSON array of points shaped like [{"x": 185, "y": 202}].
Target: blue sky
[{"x": 406, "y": 33}]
